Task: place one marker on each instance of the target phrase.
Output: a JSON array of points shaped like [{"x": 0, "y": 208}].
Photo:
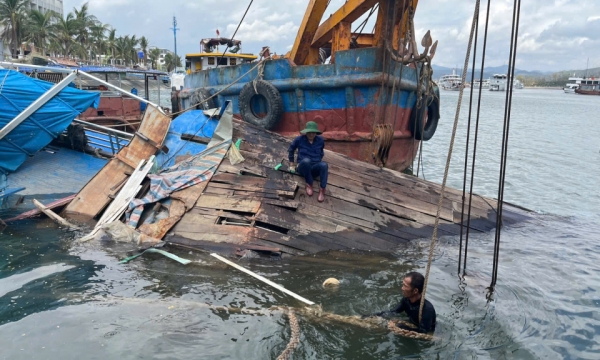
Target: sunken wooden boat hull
[{"x": 250, "y": 206}]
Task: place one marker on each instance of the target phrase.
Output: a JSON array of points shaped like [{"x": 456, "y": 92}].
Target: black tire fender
[
  {"x": 199, "y": 97},
  {"x": 274, "y": 104},
  {"x": 428, "y": 114}
]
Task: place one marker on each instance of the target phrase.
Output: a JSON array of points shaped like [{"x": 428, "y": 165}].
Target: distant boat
[
  {"x": 498, "y": 82},
  {"x": 450, "y": 82},
  {"x": 588, "y": 87},
  {"x": 572, "y": 84},
  {"x": 484, "y": 84}
]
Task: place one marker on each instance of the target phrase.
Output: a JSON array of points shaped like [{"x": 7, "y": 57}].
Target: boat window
[
  {"x": 211, "y": 60},
  {"x": 223, "y": 61},
  {"x": 232, "y": 61}
]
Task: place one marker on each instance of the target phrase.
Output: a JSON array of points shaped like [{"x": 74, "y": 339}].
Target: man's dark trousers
[{"x": 310, "y": 170}]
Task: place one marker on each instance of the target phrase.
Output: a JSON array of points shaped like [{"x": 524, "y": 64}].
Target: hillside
[{"x": 528, "y": 78}]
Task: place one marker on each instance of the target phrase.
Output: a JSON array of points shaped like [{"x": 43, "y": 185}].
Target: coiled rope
[
  {"x": 294, "y": 337},
  {"x": 443, "y": 189}
]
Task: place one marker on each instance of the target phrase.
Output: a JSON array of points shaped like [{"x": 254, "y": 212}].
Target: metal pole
[
  {"x": 111, "y": 86},
  {"x": 34, "y": 106},
  {"x": 158, "y": 80},
  {"x": 174, "y": 28}
]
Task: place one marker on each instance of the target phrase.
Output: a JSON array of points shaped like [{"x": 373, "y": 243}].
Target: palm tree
[
  {"x": 144, "y": 47},
  {"x": 39, "y": 28},
  {"x": 66, "y": 29},
  {"x": 110, "y": 43},
  {"x": 98, "y": 44},
  {"x": 85, "y": 21},
  {"x": 12, "y": 15},
  {"x": 153, "y": 55},
  {"x": 172, "y": 61}
]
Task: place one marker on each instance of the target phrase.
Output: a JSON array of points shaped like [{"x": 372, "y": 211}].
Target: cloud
[{"x": 553, "y": 35}]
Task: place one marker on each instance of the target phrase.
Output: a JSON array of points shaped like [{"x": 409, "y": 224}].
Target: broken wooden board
[{"x": 100, "y": 190}]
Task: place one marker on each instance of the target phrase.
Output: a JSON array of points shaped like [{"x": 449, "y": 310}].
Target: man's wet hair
[{"x": 417, "y": 280}]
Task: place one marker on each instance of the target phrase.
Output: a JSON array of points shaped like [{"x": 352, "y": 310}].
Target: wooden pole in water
[{"x": 263, "y": 279}]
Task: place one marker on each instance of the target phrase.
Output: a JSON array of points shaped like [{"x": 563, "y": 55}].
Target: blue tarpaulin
[{"x": 17, "y": 92}]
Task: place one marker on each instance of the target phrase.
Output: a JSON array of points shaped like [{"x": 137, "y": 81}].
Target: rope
[
  {"x": 235, "y": 32},
  {"x": 505, "y": 132},
  {"x": 439, "y": 208},
  {"x": 407, "y": 333},
  {"x": 294, "y": 337},
  {"x": 220, "y": 91},
  {"x": 476, "y": 137},
  {"x": 462, "y": 211}
]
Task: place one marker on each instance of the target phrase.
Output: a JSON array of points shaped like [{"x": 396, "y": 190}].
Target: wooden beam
[
  {"x": 378, "y": 24},
  {"x": 301, "y": 54},
  {"x": 349, "y": 12},
  {"x": 401, "y": 22},
  {"x": 341, "y": 38}
]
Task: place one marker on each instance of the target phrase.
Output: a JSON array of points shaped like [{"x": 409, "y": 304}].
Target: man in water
[
  {"x": 412, "y": 287},
  {"x": 310, "y": 153}
]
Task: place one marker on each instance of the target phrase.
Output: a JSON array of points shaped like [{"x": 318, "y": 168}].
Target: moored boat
[
  {"x": 588, "y": 87},
  {"x": 364, "y": 97},
  {"x": 451, "y": 82}
]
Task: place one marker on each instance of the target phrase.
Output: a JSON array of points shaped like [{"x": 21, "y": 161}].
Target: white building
[
  {"x": 41, "y": 5},
  {"x": 46, "y": 5},
  {"x": 161, "y": 58}
]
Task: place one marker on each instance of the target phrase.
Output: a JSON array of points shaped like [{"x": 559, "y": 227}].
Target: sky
[{"x": 554, "y": 35}]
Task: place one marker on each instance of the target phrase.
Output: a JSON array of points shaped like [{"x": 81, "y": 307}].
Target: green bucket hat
[{"x": 311, "y": 126}]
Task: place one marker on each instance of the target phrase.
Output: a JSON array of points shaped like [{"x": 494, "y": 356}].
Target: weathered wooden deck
[{"x": 252, "y": 206}]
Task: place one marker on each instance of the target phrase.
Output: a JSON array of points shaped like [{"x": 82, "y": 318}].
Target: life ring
[
  {"x": 428, "y": 113},
  {"x": 273, "y": 99}
]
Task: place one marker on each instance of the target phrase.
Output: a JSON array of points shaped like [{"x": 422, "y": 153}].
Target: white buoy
[{"x": 331, "y": 282}]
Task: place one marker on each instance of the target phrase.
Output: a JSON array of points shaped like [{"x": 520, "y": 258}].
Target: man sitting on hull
[{"x": 310, "y": 153}]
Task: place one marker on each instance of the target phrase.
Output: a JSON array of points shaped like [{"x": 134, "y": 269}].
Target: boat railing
[{"x": 105, "y": 138}]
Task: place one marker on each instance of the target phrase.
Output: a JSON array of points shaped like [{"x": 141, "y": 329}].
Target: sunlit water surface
[{"x": 61, "y": 301}]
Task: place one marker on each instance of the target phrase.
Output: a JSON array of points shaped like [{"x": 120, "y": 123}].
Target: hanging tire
[
  {"x": 273, "y": 99},
  {"x": 199, "y": 97},
  {"x": 424, "y": 120}
]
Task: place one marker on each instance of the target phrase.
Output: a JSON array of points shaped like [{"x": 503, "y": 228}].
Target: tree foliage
[{"x": 78, "y": 35}]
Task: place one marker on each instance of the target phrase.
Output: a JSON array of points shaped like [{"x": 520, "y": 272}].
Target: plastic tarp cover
[{"x": 17, "y": 92}]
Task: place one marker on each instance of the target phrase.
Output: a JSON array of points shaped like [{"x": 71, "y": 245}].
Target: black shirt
[{"x": 428, "y": 319}]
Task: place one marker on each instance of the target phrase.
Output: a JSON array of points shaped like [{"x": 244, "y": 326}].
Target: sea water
[{"x": 64, "y": 301}]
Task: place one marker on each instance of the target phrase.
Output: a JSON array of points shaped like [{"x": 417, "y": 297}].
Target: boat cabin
[{"x": 210, "y": 56}]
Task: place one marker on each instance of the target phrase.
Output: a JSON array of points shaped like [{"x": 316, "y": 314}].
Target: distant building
[
  {"x": 161, "y": 58},
  {"x": 41, "y": 5},
  {"x": 46, "y": 5}
]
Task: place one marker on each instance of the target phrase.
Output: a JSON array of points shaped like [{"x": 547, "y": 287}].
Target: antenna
[{"x": 175, "y": 28}]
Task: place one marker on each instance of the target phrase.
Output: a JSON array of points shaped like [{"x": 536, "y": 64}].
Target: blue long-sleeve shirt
[{"x": 314, "y": 152}]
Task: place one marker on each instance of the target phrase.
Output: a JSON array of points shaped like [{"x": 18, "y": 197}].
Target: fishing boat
[
  {"x": 588, "y": 87},
  {"x": 373, "y": 99},
  {"x": 34, "y": 112},
  {"x": 450, "y": 82}
]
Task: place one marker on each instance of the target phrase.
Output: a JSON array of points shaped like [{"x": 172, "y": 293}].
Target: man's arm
[
  {"x": 427, "y": 322},
  {"x": 399, "y": 308},
  {"x": 292, "y": 150}
]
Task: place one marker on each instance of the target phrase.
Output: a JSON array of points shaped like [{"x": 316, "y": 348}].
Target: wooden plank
[
  {"x": 255, "y": 182},
  {"x": 52, "y": 215},
  {"x": 248, "y": 189},
  {"x": 52, "y": 206},
  {"x": 234, "y": 204},
  {"x": 190, "y": 195},
  {"x": 96, "y": 194}
]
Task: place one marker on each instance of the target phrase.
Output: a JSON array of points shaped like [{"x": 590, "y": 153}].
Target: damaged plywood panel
[{"x": 102, "y": 188}]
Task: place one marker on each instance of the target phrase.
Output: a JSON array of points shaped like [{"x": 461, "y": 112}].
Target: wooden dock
[{"x": 251, "y": 206}]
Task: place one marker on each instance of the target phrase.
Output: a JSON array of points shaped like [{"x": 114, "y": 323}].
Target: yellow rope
[
  {"x": 294, "y": 337},
  {"x": 439, "y": 208}
]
